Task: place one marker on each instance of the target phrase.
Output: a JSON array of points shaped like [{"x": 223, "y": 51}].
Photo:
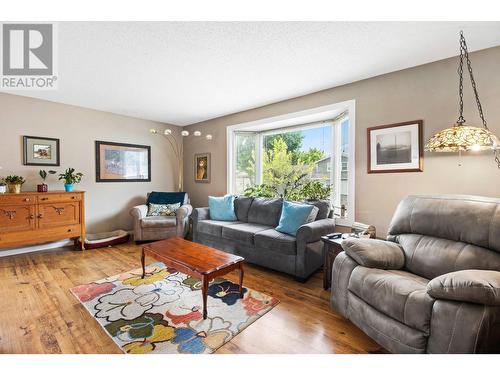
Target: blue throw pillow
[
  {"x": 293, "y": 216},
  {"x": 222, "y": 208},
  {"x": 157, "y": 197}
]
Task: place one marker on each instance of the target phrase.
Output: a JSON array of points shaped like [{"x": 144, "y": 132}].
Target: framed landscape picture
[
  {"x": 202, "y": 167},
  {"x": 122, "y": 162},
  {"x": 41, "y": 151},
  {"x": 396, "y": 148}
]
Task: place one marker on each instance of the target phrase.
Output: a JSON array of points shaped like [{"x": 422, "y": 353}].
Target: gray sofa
[
  {"x": 434, "y": 286},
  {"x": 253, "y": 236},
  {"x": 155, "y": 228}
]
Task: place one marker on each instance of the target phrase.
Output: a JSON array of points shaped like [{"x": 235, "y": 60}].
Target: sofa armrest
[
  {"x": 139, "y": 212},
  {"x": 476, "y": 286},
  {"x": 312, "y": 232},
  {"x": 201, "y": 213},
  {"x": 375, "y": 253}
]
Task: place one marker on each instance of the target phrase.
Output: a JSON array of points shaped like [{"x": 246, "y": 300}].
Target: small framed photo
[
  {"x": 396, "y": 147},
  {"x": 122, "y": 162},
  {"x": 202, "y": 167},
  {"x": 41, "y": 151}
]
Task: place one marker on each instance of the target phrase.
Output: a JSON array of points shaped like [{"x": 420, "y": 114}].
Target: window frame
[{"x": 323, "y": 115}]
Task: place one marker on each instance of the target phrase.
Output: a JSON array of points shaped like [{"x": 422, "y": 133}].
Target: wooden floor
[{"x": 38, "y": 314}]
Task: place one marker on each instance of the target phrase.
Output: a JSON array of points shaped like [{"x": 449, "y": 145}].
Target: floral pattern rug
[{"x": 162, "y": 313}]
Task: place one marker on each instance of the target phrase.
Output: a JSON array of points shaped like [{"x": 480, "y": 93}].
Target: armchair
[
  {"x": 434, "y": 285},
  {"x": 153, "y": 228}
]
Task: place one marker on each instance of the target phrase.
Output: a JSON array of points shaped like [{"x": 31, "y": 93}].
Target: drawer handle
[
  {"x": 44, "y": 199},
  {"x": 59, "y": 210},
  {"x": 40, "y": 216},
  {"x": 69, "y": 230},
  {"x": 10, "y": 214},
  {"x": 73, "y": 197},
  {"x": 26, "y": 199},
  {"x": 32, "y": 217}
]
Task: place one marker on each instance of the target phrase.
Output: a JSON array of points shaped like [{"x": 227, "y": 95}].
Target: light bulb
[
  {"x": 209, "y": 137},
  {"x": 167, "y": 132},
  {"x": 197, "y": 133},
  {"x": 184, "y": 133},
  {"x": 153, "y": 131}
]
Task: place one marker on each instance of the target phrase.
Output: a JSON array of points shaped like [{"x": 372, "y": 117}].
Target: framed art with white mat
[{"x": 396, "y": 147}]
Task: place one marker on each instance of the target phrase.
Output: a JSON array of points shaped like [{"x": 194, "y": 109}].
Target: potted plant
[
  {"x": 70, "y": 178},
  {"x": 43, "y": 187},
  {"x": 3, "y": 186},
  {"x": 14, "y": 183}
]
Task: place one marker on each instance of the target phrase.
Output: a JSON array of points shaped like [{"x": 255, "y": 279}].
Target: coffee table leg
[
  {"x": 241, "y": 280},
  {"x": 204, "y": 292},
  {"x": 143, "y": 256}
]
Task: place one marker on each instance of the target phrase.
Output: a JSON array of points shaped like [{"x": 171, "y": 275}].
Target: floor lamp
[{"x": 177, "y": 148}]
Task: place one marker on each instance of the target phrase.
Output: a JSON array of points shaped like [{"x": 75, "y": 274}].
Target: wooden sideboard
[{"x": 32, "y": 218}]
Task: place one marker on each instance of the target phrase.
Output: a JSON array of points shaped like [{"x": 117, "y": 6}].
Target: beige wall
[
  {"x": 427, "y": 92},
  {"x": 107, "y": 204}
]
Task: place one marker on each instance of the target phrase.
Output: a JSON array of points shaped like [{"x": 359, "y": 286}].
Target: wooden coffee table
[{"x": 194, "y": 260}]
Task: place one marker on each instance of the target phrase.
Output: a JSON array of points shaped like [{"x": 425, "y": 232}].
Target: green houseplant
[
  {"x": 3, "y": 186},
  {"x": 14, "y": 183},
  {"x": 70, "y": 178},
  {"x": 43, "y": 187}
]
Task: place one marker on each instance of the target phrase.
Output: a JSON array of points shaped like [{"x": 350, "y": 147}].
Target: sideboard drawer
[
  {"x": 17, "y": 199},
  {"x": 68, "y": 197}
]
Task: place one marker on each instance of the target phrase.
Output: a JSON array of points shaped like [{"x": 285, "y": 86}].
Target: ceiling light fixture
[{"x": 462, "y": 137}]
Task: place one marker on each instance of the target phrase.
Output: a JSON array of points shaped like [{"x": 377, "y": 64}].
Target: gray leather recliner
[{"x": 434, "y": 285}]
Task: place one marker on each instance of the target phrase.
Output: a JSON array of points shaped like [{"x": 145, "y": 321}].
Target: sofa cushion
[
  {"x": 213, "y": 227},
  {"x": 158, "y": 221},
  {"x": 323, "y": 209},
  {"x": 398, "y": 294},
  {"x": 273, "y": 240},
  {"x": 265, "y": 211},
  {"x": 243, "y": 232},
  {"x": 242, "y": 206}
]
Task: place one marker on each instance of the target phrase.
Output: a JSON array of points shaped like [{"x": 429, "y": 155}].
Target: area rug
[{"x": 162, "y": 313}]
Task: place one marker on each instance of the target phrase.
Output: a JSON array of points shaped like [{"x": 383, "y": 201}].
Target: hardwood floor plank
[{"x": 42, "y": 316}]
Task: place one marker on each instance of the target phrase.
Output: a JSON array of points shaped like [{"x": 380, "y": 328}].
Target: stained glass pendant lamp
[{"x": 461, "y": 137}]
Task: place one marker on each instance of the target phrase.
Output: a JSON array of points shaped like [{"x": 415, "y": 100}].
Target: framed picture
[
  {"x": 41, "y": 151},
  {"x": 396, "y": 148},
  {"x": 202, "y": 167},
  {"x": 122, "y": 162}
]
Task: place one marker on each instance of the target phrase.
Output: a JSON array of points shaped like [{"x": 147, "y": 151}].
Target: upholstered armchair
[
  {"x": 434, "y": 285},
  {"x": 154, "y": 228}
]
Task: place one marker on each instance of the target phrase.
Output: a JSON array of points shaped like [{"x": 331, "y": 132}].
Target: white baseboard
[{"x": 31, "y": 249}]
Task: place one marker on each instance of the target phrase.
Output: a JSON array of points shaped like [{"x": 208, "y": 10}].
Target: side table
[{"x": 331, "y": 248}]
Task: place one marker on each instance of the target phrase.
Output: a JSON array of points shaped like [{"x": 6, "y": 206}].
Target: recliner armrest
[
  {"x": 374, "y": 253},
  {"x": 183, "y": 211},
  {"x": 312, "y": 232},
  {"x": 139, "y": 212},
  {"x": 476, "y": 286}
]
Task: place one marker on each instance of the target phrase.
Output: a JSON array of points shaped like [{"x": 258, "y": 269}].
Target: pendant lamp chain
[{"x": 464, "y": 55}]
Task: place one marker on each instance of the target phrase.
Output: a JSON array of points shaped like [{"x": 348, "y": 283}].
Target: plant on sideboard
[
  {"x": 70, "y": 178},
  {"x": 43, "y": 187},
  {"x": 14, "y": 183}
]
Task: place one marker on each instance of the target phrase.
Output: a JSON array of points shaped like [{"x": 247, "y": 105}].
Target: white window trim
[{"x": 296, "y": 118}]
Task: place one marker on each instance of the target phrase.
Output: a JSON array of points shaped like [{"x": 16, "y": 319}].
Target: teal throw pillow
[
  {"x": 222, "y": 208},
  {"x": 293, "y": 216}
]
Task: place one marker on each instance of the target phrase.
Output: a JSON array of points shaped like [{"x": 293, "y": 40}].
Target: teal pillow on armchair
[
  {"x": 293, "y": 216},
  {"x": 222, "y": 208}
]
